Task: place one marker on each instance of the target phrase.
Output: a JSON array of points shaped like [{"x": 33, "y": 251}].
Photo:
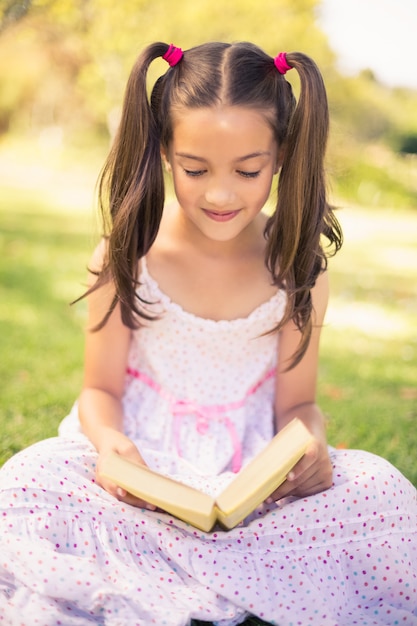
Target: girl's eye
[
  {"x": 249, "y": 174},
  {"x": 194, "y": 173}
]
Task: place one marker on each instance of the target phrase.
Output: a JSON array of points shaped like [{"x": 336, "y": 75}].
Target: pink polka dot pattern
[{"x": 73, "y": 555}]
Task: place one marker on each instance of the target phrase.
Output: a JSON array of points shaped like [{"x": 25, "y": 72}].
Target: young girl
[{"x": 204, "y": 324}]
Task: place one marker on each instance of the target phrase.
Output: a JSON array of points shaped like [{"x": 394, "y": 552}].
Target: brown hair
[{"x": 131, "y": 187}]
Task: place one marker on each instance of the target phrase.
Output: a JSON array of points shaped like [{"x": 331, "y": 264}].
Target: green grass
[
  {"x": 43, "y": 255},
  {"x": 368, "y": 381},
  {"x": 368, "y": 372}
]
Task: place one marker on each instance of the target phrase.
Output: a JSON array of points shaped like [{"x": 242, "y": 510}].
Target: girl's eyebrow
[
  {"x": 185, "y": 155},
  {"x": 253, "y": 155},
  {"x": 247, "y": 157}
]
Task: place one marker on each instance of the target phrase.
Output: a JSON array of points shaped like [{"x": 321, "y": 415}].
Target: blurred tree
[
  {"x": 84, "y": 49},
  {"x": 39, "y": 65},
  {"x": 12, "y": 10},
  {"x": 407, "y": 144}
]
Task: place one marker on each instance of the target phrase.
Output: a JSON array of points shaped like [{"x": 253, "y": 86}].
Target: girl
[{"x": 204, "y": 324}]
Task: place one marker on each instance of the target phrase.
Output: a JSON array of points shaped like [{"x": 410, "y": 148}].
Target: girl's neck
[
  {"x": 182, "y": 233},
  {"x": 217, "y": 280}
]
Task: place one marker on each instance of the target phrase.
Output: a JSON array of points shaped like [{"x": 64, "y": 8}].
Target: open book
[{"x": 252, "y": 485}]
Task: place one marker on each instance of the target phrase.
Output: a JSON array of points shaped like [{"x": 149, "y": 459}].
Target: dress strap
[{"x": 203, "y": 413}]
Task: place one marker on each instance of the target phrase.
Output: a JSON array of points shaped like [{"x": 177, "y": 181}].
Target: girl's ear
[
  {"x": 165, "y": 161},
  {"x": 280, "y": 159}
]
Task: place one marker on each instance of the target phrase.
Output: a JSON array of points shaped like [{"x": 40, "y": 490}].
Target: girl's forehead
[
  {"x": 225, "y": 115},
  {"x": 237, "y": 122},
  {"x": 223, "y": 134}
]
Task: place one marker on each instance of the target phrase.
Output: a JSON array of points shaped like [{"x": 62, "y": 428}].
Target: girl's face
[{"x": 222, "y": 161}]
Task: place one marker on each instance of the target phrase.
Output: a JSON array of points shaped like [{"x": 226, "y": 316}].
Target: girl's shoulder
[{"x": 98, "y": 256}]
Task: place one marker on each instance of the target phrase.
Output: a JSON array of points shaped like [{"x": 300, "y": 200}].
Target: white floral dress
[{"x": 199, "y": 404}]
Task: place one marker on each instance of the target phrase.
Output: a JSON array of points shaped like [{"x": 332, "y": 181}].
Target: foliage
[
  {"x": 407, "y": 144},
  {"x": 368, "y": 121},
  {"x": 11, "y": 11},
  {"x": 81, "y": 51},
  {"x": 371, "y": 174}
]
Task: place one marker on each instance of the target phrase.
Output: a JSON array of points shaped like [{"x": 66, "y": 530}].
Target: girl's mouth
[{"x": 218, "y": 216}]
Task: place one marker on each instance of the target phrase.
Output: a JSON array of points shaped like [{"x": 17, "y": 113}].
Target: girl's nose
[{"x": 219, "y": 196}]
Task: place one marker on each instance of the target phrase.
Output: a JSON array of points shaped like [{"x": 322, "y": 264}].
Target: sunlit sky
[{"x": 376, "y": 34}]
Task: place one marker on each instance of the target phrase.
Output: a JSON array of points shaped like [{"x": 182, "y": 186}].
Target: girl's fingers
[
  {"x": 305, "y": 480},
  {"x": 134, "y": 501},
  {"x": 124, "y": 496}
]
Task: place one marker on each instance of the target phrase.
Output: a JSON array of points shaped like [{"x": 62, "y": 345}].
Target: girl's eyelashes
[
  {"x": 195, "y": 173},
  {"x": 249, "y": 174}
]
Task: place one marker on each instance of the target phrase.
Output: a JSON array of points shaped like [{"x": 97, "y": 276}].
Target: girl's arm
[
  {"x": 99, "y": 406},
  {"x": 296, "y": 397}
]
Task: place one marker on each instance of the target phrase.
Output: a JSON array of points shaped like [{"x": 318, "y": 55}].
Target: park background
[{"x": 63, "y": 68}]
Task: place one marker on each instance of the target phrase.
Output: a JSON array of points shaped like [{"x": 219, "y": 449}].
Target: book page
[
  {"x": 263, "y": 474},
  {"x": 172, "y": 496}
]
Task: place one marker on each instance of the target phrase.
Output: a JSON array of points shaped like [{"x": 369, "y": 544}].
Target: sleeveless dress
[{"x": 198, "y": 403}]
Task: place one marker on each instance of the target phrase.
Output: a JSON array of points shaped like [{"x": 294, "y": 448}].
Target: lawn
[
  {"x": 368, "y": 379},
  {"x": 43, "y": 256},
  {"x": 368, "y": 373}
]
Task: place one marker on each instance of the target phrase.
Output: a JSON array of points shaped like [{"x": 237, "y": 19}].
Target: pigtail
[
  {"x": 131, "y": 192},
  {"x": 295, "y": 255}
]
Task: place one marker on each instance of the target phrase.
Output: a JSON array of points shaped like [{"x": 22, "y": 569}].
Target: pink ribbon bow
[{"x": 204, "y": 414}]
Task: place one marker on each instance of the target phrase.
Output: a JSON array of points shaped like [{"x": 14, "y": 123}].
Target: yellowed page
[
  {"x": 184, "y": 502},
  {"x": 263, "y": 474}
]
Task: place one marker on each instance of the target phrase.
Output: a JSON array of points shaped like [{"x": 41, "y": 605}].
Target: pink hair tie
[
  {"x": 281, "y": 63},
  {"x": 173, "y": 55}
]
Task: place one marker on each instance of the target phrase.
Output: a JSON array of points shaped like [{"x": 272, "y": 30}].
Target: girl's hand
[
  {"x": 115, "y": 441},
  {"x": 312, "y": 474}
]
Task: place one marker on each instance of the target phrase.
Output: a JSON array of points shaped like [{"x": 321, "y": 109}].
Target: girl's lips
[{"x": 220, "y": 217}]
